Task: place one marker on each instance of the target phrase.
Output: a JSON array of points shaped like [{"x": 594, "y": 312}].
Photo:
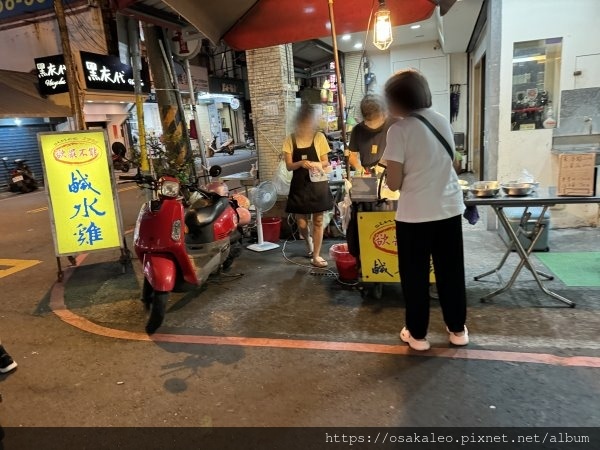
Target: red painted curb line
[{"x": 57, "y": 305}]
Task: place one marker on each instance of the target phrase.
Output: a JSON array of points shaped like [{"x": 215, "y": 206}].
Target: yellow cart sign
[
  {"x": 378, "y": 248},
  {"x": 81, "y": 192}
]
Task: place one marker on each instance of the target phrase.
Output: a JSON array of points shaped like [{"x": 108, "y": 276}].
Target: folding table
[{"x": 543, "y": 198}]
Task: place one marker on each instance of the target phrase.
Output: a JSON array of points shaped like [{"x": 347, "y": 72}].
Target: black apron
[{"x": 307, "y": 197}]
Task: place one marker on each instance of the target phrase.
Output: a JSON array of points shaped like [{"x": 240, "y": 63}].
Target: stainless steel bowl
[
  {"x": 485, "y": 188},
  {"x": 535, "y": 184},
  {"x": 518, "y": 189}
]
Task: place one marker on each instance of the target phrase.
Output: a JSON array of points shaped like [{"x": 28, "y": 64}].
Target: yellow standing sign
[
  {"x": 81, "y": 192},
  {"x": 378, "y": 248}
]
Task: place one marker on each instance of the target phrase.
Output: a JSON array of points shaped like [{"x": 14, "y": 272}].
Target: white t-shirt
[{"x": 430, "y": 189}]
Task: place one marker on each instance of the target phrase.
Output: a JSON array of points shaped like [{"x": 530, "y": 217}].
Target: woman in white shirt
[{"x": 428, "y": 219}]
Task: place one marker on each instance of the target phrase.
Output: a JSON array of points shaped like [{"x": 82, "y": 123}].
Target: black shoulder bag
[{"x": 471, "y": 213}]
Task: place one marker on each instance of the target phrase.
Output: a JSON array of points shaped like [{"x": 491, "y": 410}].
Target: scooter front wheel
[{"x": 157, "y": 312}]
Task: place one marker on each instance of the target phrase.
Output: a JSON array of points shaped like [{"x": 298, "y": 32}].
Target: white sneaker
[
  {"x": 420, "y": 345},
  {"x": 458, "y": 340}
]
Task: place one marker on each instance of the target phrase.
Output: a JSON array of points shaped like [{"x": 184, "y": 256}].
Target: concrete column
[
  {"x": 492, "y": 89},
  {"x": 492, "y": 99},
  {"x": 273, "y": 99}
]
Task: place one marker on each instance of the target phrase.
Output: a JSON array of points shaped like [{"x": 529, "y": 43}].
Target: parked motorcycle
[
  {"x": 20, "y": 177},
  {"x": 119, "y": 161},
  {"x": 181, "y": 239},
  {"x": 225, "y": 147}
]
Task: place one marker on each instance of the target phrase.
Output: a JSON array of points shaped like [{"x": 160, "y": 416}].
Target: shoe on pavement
[
  {"x": 6, "y": 362},
  {"x": 459, "y": 340},
  {"x": 420, "y": 345}
]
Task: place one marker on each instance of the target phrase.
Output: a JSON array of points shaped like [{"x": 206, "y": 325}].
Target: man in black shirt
[{"x": 368, "y": 138}]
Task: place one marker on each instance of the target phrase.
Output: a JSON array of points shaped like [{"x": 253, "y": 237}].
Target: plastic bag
[
  {"x": 317, "y": 175},
  {"x": 345, "y": 207},
  {"x": 526, "y": 177},
  {"x": 282, "y": 179}
]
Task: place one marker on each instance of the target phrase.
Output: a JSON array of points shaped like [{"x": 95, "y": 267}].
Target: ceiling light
[
  {"x": 358, "y": 45},
  {"x": 346, "y": 37},
  {"x": 415, "y": 27},
  {"x": 382, "y": 31},
  {"x": 18, "y": 121}
]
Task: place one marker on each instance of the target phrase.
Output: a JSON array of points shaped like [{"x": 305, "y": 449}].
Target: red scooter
[{"x": 181, "y": 239}]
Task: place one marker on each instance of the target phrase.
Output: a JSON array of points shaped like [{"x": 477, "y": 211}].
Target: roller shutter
[{"x": 21, "y": 142}]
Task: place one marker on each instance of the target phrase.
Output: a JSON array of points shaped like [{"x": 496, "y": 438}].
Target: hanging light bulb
[{"x": 382, "y": 32}]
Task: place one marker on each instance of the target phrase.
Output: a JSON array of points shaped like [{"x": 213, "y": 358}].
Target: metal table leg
[
  {"x": 524, "y": 256},
  {"x": 533, "y": 237}
]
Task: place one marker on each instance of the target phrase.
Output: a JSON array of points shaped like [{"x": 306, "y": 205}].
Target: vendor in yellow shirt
[{"x": 306, "y": 150}]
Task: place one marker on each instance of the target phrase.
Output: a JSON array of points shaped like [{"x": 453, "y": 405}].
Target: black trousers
[{"x": 442, "y": 240}]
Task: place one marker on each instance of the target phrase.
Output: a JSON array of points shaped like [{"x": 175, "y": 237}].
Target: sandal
[{"x": 319, "y": 262}]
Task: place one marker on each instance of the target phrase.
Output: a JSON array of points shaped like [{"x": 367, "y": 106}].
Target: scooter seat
[{"x": 197, "y": 218}]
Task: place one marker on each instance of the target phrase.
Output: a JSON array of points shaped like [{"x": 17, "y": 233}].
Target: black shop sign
[
  {"x": 52, "y": 75},
  {"x": 231, "y": 86},
  {"x": 108, "y": 73},
  {"x": 101, "y": 72}
]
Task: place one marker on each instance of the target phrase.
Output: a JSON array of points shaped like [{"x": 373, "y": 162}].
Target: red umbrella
[{"x": 248, "y": 24}]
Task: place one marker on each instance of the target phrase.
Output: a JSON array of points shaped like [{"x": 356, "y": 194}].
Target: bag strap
[{"x": 436, "y": 133}]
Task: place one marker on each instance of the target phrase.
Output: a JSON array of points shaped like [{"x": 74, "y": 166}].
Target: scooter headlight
[
  {"x": 176, "y": 230},
  {"x": 169, "y": 189}
]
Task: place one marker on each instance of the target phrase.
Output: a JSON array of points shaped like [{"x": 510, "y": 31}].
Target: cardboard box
[{"x": 576, "y": 176}]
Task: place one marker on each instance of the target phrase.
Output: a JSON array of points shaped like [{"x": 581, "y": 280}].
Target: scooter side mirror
[{"x": 215, "y": 171}]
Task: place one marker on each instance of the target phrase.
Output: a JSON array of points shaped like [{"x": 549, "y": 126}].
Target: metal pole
[
  {"x": 76, "y": 108},
  {"x": 196, "y": 119},
  {"x": 338, "y": 76},
  {"x": 136, "y": 63}
]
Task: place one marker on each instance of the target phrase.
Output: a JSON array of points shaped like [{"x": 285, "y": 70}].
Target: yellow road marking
[
  {"x": 16, "y": 265},
  {"x": 43, "y": 208},
  {"x": 128, "y": 188}
]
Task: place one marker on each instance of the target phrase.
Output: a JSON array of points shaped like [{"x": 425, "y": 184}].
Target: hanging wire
[
  {"x": 315, "y": 270},
  {"x": 364, "y": 54}
]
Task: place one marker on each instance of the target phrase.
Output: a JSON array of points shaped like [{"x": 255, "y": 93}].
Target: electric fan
[{"x": 263, "y": 197}]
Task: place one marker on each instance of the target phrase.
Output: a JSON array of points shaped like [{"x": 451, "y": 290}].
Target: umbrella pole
[{"x": 338, "y": 77}]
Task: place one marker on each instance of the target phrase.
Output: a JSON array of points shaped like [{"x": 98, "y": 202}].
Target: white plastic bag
[
  {"x": 345, "y": 207},
  {"x": 282, "y": 179}
]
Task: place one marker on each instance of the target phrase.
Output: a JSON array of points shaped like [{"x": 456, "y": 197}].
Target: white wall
[
  {"x": 577, "y": 24},
  {"x": 20, "y": 46},
  {"x": 381, "y": 66},
  {"x": 425, "y": 56}
]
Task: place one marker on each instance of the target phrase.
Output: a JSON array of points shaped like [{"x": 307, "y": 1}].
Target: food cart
[{"x": 375, "y": 214}]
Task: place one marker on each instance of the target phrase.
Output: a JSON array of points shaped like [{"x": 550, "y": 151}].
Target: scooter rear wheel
[{"x": 157, "y": 313}]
